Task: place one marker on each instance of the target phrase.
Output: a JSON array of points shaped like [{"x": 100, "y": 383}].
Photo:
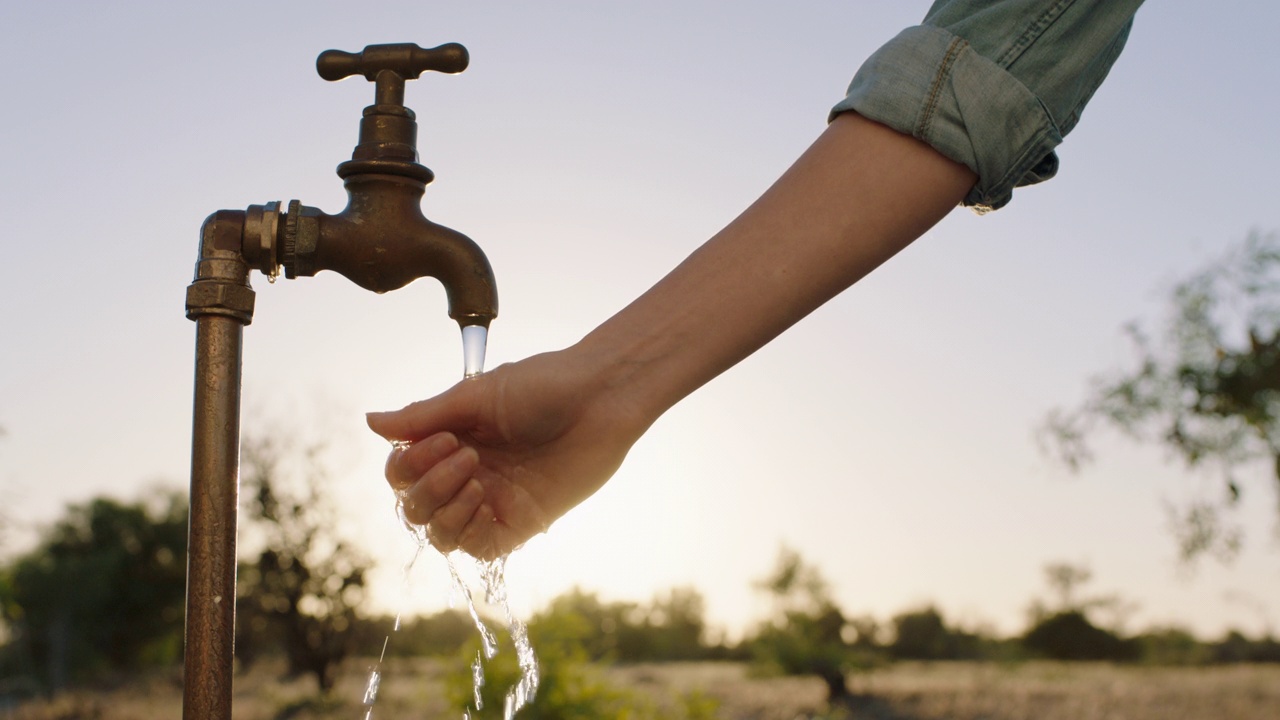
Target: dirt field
[{"x": 935, "y": 691}]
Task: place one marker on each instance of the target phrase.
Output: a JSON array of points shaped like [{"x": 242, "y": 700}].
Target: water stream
[
  {"x": 475, "y": 338},
  {"x": 493, "y": 581}
]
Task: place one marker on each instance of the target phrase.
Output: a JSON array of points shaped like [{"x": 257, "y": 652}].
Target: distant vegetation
[
  {"x": 1206, "y": 387},
  {"x": 300, "y": 583},
  {"x": 100, "y": 599},
  {"x": 101, "y": 596}
]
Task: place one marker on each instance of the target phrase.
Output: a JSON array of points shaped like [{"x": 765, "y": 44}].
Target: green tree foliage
[
  {"x": 924, "y": 635},
  {"x": 103, "y": 591},
  {"x": 304, "y": 585},
  {"x": 674, "y": 627},
  {"x": 671, "y": 627},
  {"x": 1171, "y": 646},
  {"x": 440, "y": 634},
  {"x": 1062, "y": 630},
  {"x": 566, "y": 636},
  {"x": 1208, "y": 389},
  {"x": 1070, "y": 636},
  {"x": 807, "y": 634},
  {"x": 1236, "y": 648}
]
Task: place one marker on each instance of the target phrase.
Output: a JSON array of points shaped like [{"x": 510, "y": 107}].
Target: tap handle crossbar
[
  {"x": 407, "y": 60},
  {"x": 390, "y": 65}
]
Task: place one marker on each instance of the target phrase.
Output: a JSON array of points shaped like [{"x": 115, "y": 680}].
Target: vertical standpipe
[{"x": 221, "y": 302}]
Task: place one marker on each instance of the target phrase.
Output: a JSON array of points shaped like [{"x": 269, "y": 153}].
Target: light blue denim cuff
[{"x": 1001, "y": 117}]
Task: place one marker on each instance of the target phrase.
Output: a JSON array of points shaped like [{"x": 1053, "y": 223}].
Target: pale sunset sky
[{"x": 889, "y": 437}]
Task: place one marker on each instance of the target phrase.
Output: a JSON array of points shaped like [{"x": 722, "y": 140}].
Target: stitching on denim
[
  {"x": 944, "y": 71},
  {"x": 1033, "y": 32}
]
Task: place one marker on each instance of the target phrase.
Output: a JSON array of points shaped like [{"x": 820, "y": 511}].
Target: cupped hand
[{"x": 496, "y": 459}]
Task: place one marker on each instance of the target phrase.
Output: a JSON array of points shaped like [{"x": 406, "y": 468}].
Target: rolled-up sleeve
[{"x": 994, "y": 85}]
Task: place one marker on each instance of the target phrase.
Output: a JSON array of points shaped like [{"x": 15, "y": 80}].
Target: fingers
[
  {"x": 440, "y": 485},
  {"x": 451, "y": 519},
  {"x": 407, "y": 466},
  {"x": 506, "y": 520},
  {"x": 478, "y": 539}
]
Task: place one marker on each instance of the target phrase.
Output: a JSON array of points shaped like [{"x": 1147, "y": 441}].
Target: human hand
[{"x": 497, "y": 458}]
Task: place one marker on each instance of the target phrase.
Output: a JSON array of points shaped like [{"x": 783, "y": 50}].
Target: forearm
[{"x": 861, "y": 193}]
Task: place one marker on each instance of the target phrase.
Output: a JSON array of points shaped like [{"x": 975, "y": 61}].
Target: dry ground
[{"x": 933, "y": 691}]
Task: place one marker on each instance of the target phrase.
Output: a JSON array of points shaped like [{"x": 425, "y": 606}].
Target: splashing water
[
  {"x": 493, "y": 580},
  {"x": 487, "y": 638},
  {"x": 477, "y": 681},
  {"x": 420, "y": 535},
  {"x": 495, "y": 588}
]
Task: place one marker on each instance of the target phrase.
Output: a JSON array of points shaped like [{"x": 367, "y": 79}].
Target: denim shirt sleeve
[{"x": 994, "y": 85}]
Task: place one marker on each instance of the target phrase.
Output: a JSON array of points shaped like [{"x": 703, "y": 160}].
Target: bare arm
[
  {"x": 508, "y": 452},
  {"x": 861, "y": 193}
]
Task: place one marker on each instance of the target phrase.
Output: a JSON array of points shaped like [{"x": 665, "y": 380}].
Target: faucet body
[{"x": 381, "y": 241}]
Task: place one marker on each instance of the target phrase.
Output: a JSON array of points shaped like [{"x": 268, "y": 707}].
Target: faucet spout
[{"x": 382, "y": 242}]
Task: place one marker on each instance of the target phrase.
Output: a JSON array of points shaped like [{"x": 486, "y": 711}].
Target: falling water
[
  {"x": 495, "y": 588},
  {"x": 474, "y": 340},
  {"x": 420, "y": 536},
  {"x": 493, "y": 578}
]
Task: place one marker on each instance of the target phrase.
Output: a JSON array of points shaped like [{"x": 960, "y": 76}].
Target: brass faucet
[{"x": 381, "y": 241}]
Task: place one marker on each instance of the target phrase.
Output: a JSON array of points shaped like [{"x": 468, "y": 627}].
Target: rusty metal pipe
[
  {"x": 211, "y": 553},
  {"x": 221, "y": 302}
]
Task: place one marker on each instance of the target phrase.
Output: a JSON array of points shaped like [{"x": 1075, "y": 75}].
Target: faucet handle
[{"x": 390, "y": 65}]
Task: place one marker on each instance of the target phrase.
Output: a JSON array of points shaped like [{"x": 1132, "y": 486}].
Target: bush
[
  {"x": 569, "y": 687},
  {"x": 1171, "y": 646},
  {"x": 103, "y": 591},
  {"x": 924, "y": 635},
  {"x": 1070, "y": 636}
]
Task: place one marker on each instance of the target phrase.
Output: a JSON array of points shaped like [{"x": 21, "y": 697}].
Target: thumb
[{"x": 453, "y": 410}]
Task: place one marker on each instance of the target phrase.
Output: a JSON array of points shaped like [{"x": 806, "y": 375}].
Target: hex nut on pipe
[{"x": 220, "y": 298}]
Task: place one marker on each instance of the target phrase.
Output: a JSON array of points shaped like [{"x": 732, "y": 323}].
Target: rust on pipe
[
  {"x": 221, "y": 302},
  {"x": 211, "y": 553}
]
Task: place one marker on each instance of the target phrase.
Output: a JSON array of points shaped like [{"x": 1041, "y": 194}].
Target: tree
[
  {"x": 674, "y": 625},
  {"x": 670, "y": 627},
  {"x": 1208, "y": 391},
  {"x": 924, "y": 635},
  {"x": 1070, "y": 636},
  {"x": 1065, "y": 580},
  {"x": 806, "y": 635},
  {"x": 304, "y": 585},
  {"x": 103, "y": 591},
  {"x": 567, "y": 636},
  {"x": 1062, "y": 629}
]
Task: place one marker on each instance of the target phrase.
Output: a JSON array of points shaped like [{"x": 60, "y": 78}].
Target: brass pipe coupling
[{"x": 274, "y": 241}]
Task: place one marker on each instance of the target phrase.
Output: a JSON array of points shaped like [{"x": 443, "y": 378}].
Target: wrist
[{"x": 623, "y": 378}]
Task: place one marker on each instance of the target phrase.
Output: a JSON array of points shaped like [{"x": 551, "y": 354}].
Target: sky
[{"x": 888, "y": 438}]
